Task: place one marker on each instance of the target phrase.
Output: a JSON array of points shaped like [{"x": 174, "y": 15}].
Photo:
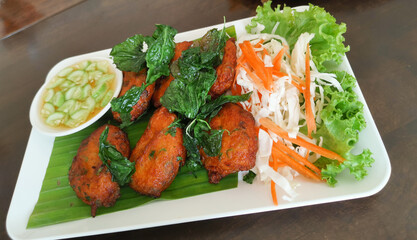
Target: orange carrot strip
[
  {"x": 279, "y": 164},
  {"x": 253, "y": 60},
  {"x": 297, "y": 85},
  {"x": 278, "y": 154},
  {"x": 273, "y": 191},
  {"x": 269, "y": 124},
  {"x": 254, "y": 78},
  {"x": 298, "y": 79},
  {"x": 311, "y": 121},
  {"x": 296, "y": 156},
  {"x": 278, "y": 73},
  {"x": 277, "y": 60},
  {"x": 268, "y": 70},
  {"x": 259, "y": 43}
]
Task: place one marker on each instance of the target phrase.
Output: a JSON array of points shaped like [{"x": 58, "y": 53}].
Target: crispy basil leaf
[
  {"x": 193, "y": 155},
  {"x": 213, "y": 107},
  {"x": 129, "y": 55},
  {"x": 125, "y": 103},
  {"x": 172, "y": 128},
  {"x": 212, "y": 46},
  {"x": 160, "y": 53},
  {"x": 195, "y": 74},
  {"x": 249, "y": 177},
  {"x": 119, "y": 166},
  {"x": 158, "y": 56}
]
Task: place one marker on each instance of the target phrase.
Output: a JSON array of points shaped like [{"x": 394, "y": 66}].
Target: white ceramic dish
[
  {"x": 35, "y": 109},
  {"x": 244, "y": 199}
]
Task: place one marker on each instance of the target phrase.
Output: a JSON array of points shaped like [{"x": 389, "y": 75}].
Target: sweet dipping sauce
[{"x": 77, "y": 93}]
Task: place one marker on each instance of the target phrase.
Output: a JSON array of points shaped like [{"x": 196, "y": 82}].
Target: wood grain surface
[
  {"x": 16, "y": 15},
  {"x": 382, "y": 36}
]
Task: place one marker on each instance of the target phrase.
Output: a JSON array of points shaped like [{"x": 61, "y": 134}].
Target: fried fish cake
[
  {"x": 225, "y": 71},
  {"x": 131, "y": 79},
  {"x": 158, "y": 155},
  {"x": 159, "y": 121},
  {"x": 163, "y": 83},
  {"x": 89, "y": 177},
  {"x": 239, "y": 143}
]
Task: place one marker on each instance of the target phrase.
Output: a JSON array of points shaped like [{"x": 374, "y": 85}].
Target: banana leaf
[{"x": 58, "y": 203}]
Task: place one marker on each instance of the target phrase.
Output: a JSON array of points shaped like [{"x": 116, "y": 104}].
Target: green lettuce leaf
[
  {"x": 327, "y": 44},
  {"x": 342, "y": 120},
  {"x": 356, "y": 164}
]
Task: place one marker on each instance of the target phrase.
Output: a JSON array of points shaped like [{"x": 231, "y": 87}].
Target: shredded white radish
[{"x": 282, "y": 101}]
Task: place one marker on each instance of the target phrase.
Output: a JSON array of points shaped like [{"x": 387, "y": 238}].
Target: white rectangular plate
[{"x": 244, "y": 199}]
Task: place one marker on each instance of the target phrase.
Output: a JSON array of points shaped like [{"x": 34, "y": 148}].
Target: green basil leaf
[
  {"x": 130, "y": 55},
  {"x": 193, "y": 162},
  {"x": 119, "y": 166},
  {"x": 249, "y": 177},
  {"x": 160, "y": 53},
  {"x": 213, "y": 107}
]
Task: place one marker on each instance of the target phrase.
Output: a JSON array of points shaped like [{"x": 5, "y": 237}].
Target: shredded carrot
[
  {"x": 279, "y": 164},
  {"x": 299, "y": 80},
  {"x": 278, "y": 154},
  {"x": 311, "y": 121},
  {"x": 296, "y": 156},
  {"x": 255, "y": 79},
  {"x": 270, "y": 125},
  {"x": 277, "y": 60},
  {"x": 254, "y": 61},
  {"x": 297, "y": 85},
  {"x": 258, "y": 45},
  {"x": 273, "y": 191}
]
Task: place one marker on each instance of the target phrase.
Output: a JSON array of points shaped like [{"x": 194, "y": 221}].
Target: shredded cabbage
[
  {"x": 327, "y": 44},
  {"x": 338, "y": 113}
]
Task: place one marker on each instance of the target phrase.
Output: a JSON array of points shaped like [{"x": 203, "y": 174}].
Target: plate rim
[{"x": 28, "y": 233}]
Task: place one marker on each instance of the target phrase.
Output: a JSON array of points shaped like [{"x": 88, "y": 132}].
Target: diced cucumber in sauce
[
  {"x": 89, "y": 104},
  {"x": 78, "y": 117},
  {"x": 76, "y": 76},
  {"x": 69, "y": 93},
  {"x": 100, "y": 91},
  {"x": 105, "y": 78},
  {"x": 56, "y": 82},
  {"x": 91, "y": 67},
  {"x": 103, "y": 66},
  {"x": 76, "y": 92},
  {"x": 107, "y": 98},
  {"x": 95, "y": 75},
  {"x": 47, "y": 110},
  {"x": 58, "y": 99},
  {"x": 84, "y": 79},
  {"x": 86, "y": 91},
  {"x": 67, "y": 107},
  {"x": 49, "y": 95},
  {"x": 64, "y": 72},
  {"x": 55, "y": 119},
  {"x": 67, "y": 84},
  {"x": 83, "y": 65},
  {"x": 75, "y": 108}
]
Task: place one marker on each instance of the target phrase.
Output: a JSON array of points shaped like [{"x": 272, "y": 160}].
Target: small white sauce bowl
[{"x": 35, "y": 109}]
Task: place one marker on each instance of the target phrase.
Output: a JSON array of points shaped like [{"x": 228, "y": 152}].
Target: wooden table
[{"x": 382, "y": 36}]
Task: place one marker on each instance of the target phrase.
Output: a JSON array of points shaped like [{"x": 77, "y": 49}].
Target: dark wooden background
[{"x": 383, "y": 39}]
